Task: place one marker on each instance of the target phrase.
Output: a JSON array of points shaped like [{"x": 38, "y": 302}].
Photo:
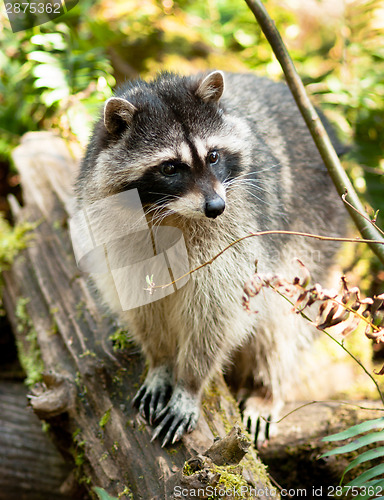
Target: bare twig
[
  {"x": 316, "y": 128},
  {"x": 333, "y": 402},
  {"x": 261, "y": 233},
  {"x": 373, "y": 222}
]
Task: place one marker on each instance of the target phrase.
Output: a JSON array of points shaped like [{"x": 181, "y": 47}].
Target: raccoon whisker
[
  {"x": 159, "y": 214},
  {"x": 159, "y": 205},
  {"x": 246, "y": 177},
  {"x": 257, "y": 171},
  {"x": 165, "y": 197},
  {"x": 248, "y": 183},
  {"x": 252, "y": 185}
]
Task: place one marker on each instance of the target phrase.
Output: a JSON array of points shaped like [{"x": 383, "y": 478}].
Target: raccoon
[{"x": 218, "y": 156}]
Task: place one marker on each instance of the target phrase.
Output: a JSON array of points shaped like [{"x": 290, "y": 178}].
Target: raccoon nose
[{"x": 214, "y": 207}]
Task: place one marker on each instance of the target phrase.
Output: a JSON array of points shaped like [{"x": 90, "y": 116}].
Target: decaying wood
[
  {"x": 229, "y": 450},
  {"x": 87, "y": 389},
  {"x": 30, "y": 466},
  {"x": 202, "y": 476}
]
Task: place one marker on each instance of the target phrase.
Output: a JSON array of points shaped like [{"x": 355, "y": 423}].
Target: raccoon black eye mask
[{"x": 217, "y": 156}]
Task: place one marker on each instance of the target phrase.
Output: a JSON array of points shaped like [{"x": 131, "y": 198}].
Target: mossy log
[{"x": 86, "y": 387}]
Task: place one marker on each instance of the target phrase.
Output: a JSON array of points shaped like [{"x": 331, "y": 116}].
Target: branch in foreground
[
  {"x": 320, "y": 136},
  {"x": 152, "y": 286}
]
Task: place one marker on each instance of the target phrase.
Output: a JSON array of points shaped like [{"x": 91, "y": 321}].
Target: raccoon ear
[
  {"x": 118, "y": 113},
  {"x": 211, "y": 88}
]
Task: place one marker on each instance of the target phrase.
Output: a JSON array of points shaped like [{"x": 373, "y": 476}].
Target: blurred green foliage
[{"x": 57, "y": 75}]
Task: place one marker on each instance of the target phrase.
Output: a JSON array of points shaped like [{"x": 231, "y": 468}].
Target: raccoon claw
[
  {"x": 259, "y": 428},
  {"x": 259, "y": 417},
  {"x": 178, "y": 417},
  {"x": 153, "y": 395}
]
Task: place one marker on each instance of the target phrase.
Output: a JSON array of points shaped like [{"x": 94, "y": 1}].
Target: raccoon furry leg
[
  {"x": 191, "y": 373},
  {"x": 159, "y": 349},
  {"x": 260, "y": 406},
  {"x": 177, "y": 348},
  {"x": 266, "y": 367}
]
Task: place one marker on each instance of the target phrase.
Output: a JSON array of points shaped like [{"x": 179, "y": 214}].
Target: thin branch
[
  {"x": 344, "y": 196},
  {"x": 316, "y": 128},
  {"x": 153, "y": 287},
  {"x": 334, "y": 402}
]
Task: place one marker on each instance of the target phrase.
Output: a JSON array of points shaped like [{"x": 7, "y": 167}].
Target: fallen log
[
  {"x": 30, "y": 466},
  {"x": 85, "y": 387}
]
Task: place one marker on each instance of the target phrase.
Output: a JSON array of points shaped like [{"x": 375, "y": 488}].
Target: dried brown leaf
[
  {"x": 377, "y": 335},
  {"x": 351, "y": 327},
  {"x": 329, "y": 319},
  {"x": 301, "y": 302},
  {"x": 306, "y": 279},
  {"x": 381, "y": 372}
]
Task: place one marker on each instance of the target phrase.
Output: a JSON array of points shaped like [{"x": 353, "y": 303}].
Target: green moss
[
  {"x": 13, "y": 240},
  {"x": 88, "y": 353},
  {"x": 80, "y": 310},
  {"x": 187, "y": 471},
  {"x": 45, "y": 426},
  {"x": 54, "y": 327},
  {"x": 76, "y": 433},
  {"x": 80, "y": 385},
  {"x": 57, "y": 225},
  {"x": 28, "y": 347},
  {"x": 105, "y": 418},
  {"x": 126, "y": 493},
  {"x": 142, "y": 427},
  {"x": 78, "y": 453},
  {"x": 211, "y": 404},
  {"x": 121, "y": 340},
  {"x": 118, "y": 376},
  {"x": 77, "y": 450},
  {"x": 230, "y": 479}
]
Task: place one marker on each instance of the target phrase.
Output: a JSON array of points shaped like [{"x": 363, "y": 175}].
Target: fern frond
[{"x": 368, "y": 425}]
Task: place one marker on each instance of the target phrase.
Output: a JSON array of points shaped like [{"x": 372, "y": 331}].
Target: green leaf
[
  {"x": 356, "y": 444},
  {"x": 377, "y": 487},
  {"x": 368, "y": 425},
  {"x": 367, "y": 475},
  {"x": 103, "y": 495},
  {"x": 55, "y": 40},
  {"x": 42, "y": 57},
  {"x": 367, "y": 455}
]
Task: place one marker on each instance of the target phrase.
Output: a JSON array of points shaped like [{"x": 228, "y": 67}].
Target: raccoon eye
[
  {"x": 168, "y": 169},
  {"x": 213, "y": 157}
]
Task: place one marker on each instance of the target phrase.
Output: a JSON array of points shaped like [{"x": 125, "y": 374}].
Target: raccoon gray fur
[{"x": 218, "y": 156}]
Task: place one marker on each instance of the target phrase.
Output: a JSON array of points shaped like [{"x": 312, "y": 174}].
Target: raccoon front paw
[
  {"x": 260, "y": 417},
  {"x": 179, "y": 417},
  {"x": 154, "y": 394}
]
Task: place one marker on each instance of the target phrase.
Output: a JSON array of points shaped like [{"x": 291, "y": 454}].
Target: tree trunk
[{"x": 87, "y": 387}]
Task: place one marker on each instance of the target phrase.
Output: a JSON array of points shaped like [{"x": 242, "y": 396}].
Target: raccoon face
[{"x": 172, "y": 140}]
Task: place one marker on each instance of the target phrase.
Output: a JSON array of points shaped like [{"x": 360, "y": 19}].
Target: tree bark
[
  {"x": 87, "y": 387},
  {"x": 25, "y": 474}
]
